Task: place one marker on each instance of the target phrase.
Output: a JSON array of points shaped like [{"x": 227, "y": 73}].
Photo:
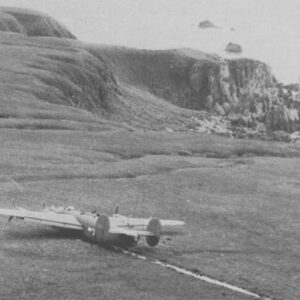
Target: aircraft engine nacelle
[
  {"x": 154, "y": 226},
  {"x": 102, "y": 229}
]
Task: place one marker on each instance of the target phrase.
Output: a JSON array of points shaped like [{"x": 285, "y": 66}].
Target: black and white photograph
[{"x": 150, "y": 149}]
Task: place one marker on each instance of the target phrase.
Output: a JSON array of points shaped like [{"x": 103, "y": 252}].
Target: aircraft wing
[
  {"x": 130, "y": 232},
  {"x": 47, "y": 218}
]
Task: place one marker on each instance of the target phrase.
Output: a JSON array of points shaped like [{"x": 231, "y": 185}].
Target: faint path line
[{"x": 203, "y": 278}]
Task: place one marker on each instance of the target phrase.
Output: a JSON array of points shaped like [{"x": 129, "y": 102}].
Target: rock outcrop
[
  {"x": 207, "y": 24},
  {"x": 225, "y": 84},
  {"x": 234, "y": 48}
]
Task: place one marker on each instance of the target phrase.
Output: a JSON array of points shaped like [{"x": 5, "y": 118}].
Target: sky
[{"x": 268, "y": 30}]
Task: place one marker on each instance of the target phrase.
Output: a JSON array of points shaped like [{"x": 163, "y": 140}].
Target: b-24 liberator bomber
[{"x": 98, "y": 228}]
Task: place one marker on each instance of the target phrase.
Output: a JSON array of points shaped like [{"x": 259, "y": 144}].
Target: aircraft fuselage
[{"x": 96, "y": 228}]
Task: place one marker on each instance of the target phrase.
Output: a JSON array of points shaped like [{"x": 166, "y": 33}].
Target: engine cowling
[
  {"x": 154, "y": 226},
  {"x": 102, "y": 229}
]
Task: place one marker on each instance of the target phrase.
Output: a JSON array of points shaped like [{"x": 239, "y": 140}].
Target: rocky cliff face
[
  {"x": 223, "y": 87},
  {"x": 237, "y": 86},
  {"x": 245, "y": 87}
]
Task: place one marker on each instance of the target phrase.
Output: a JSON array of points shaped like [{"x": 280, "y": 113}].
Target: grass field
[{"x": 239, "y": 199}]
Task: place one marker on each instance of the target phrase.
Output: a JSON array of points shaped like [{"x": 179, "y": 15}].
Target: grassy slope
[
  {"x": 165, "y": 73},
  {"x": 31, "y": 23},
  {"x": 242, "y": 213},
  {"x": 46, "y": 79},
  {"x": 25, "y": 69}
]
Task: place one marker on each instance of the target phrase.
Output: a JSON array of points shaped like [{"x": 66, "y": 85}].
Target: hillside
[
  {"x": 58, "y": 77},
  {"x": 31, "y": 23}
]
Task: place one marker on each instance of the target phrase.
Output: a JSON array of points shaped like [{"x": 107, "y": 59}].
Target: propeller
[
  {"x": 117, "y": 210},
  {"x": 9, "y": 219}
]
